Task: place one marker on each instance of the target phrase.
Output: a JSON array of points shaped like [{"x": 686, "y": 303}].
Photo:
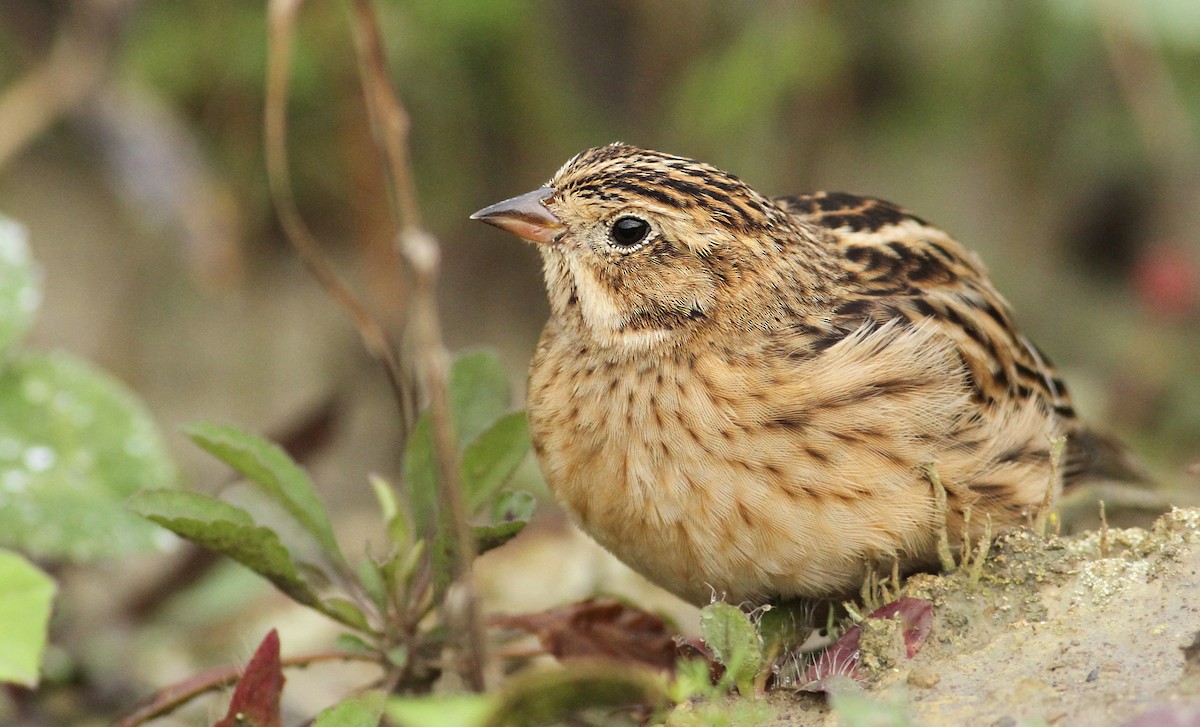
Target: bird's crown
[{"x": 623, "y": 175}]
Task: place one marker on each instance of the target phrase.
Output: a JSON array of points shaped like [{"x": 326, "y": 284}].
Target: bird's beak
[{"x": 525, "y": 216}]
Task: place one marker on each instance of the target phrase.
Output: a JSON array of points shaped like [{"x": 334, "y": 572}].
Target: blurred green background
[{"x": 1058, "y": 138}]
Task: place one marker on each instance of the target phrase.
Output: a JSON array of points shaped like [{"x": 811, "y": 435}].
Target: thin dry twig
[
  {"x": 170, "y": 698},
  {"x": 281, "y": 21},
  {"x": 420, "y": 251}
]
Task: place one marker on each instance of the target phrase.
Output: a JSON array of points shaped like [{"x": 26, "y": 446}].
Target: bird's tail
[{"x": 1091, "y": 457}]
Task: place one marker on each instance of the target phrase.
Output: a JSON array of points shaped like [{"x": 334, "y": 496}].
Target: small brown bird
[{"x": 740, "y": 397}]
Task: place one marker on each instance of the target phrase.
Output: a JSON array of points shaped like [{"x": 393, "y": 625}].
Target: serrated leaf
[
  {"x": 735, "y": 642},
  {"x": 74, "y": 444},
  {"x": 363, "y": 710},
  {"x": 20, "y": 289},
  {"x": 491, "y": 458},
  {"x": 269, "y": 467},
  {"x": 441, "y": 710},
  {"x": 229, "y": 530},
  {"x": 479, "y": 393},
  {"x": 26, "y": 594}
]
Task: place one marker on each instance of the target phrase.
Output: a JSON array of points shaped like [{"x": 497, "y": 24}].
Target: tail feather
[{"x": 1091, "y": 456}]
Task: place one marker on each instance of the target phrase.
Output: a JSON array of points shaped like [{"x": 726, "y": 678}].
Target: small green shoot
[
  {"x": 735, "y": 642},
  {"x": 284, "y": 533}
]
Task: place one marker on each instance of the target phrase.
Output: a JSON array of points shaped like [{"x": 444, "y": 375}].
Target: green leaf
[
  {"x": 353, "y": 643},
  {"x": 511, "y": 512},
  {"x": 25, "y": 597},
  {"x": 513, "y": 505},
  {"x": 269, "y": 467},
  {"x": 492, "y": 457},
  {"x": 74, "y": 444},
  {"x": 399, "y": 525},
  {"x": 384, "y": 495},
  {"x": 420, "y": 476},
  {"x": 363, "y": 710},
  {"x": 735, "y": 642},
  {"x": 372, "y": 581},
  {"x": 231, "y": 531},
  {"x": 479, "y": 393},
  {"x": 407, "y": 562},
  {"x": 397, "y": 656},
  {"x": 490, "y": 537},
  {"x": 20, "y": 289},
  {"x": 441, "y": 710},
  {"x": 344, "y": 612},
  {"x": 693, "y": 680}
]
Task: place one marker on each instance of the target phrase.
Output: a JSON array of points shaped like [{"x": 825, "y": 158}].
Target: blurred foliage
[
  {"x": 25, "y": 597},
  {"x": 20, "y": 293},
  {"x": 282, "y": 530},
  {"x": 74, "y": 442}
]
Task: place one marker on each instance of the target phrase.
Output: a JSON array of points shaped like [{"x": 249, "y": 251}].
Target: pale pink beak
[{"x": 525, "y": 216}]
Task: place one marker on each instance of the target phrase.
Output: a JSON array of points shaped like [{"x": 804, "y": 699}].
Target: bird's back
[{"x": 900, "y": 267}]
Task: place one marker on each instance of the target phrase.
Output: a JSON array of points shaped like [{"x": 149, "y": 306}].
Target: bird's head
[{"x": 644, "y": 247}]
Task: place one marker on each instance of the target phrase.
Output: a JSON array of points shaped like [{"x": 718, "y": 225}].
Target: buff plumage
[{"x": 740, "y": 396}]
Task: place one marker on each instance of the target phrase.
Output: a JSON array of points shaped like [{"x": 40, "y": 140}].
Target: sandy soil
[{"x": 1098, "y": 629}]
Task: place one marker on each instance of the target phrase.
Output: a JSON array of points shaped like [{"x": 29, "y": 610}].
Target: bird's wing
[{"x": 899, "y": 266}]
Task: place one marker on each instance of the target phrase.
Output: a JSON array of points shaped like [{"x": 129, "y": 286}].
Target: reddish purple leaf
[
  {"x": 256, "y": 699},
  {"x": 916, "y": 618},
  {"x": 842, "y": 657}
]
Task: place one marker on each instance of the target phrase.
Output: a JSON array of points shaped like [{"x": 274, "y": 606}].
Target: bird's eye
[{"x": 629, "y": 230}]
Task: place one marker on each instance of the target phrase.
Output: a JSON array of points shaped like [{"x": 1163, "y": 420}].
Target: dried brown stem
[
  {"x": 168, "y": 699},
  {"x": 281, "y": 19},
  {"x": 389, "y": 120},
  {"x": 419, "y": 249}
]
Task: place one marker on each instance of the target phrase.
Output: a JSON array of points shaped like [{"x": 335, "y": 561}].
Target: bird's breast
[
  {"x": 676, "y": 466},
  {"x": 737, "y": 471}
]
